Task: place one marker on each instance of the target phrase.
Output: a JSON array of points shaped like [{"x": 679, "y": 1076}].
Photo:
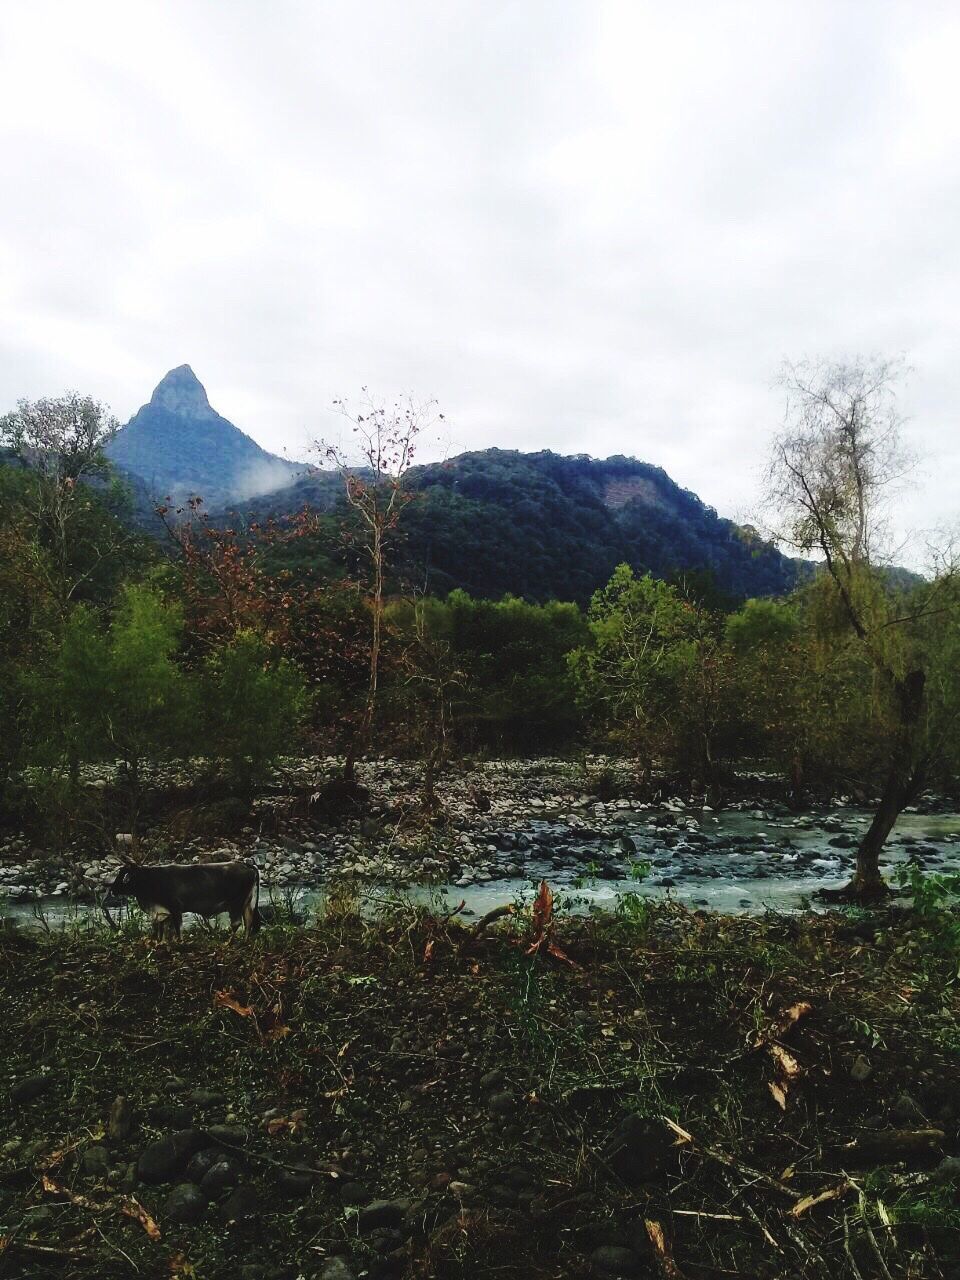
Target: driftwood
[{"x": 894, "y": 1144}]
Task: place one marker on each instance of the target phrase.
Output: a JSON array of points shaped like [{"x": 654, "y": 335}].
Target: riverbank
[
  {"x": 665, "y": 1094},
  {"x": 500, "y": 825}
]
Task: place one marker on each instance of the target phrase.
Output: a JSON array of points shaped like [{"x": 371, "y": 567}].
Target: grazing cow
[{"x": 166, "y": 891}]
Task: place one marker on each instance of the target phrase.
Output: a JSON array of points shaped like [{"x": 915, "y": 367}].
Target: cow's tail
[{"x": 255, "y": 918}]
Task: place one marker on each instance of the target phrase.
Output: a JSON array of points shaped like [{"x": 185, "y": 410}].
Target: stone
[
  {"x": 380, "y": 1215},
  {"x": 231, "y": 1135},
  {"x": 636, "y": 1149},
  {"x": 241, "y": 1205},
  {"x": 295, "y": 1183},
  {"x": 861, "y": 1069},
  {"x": 336, "y": 1269},
  {"x": 120, "y": 1120},
  {"x": 186, "y": 1204},
  {"x": 31, "y": 1088},
  {"x": 906, "y": 1110},
  {"x": 220, "y": 1177},
  {"x": 206, "y": 1098},
  {"x": 351, "y": 1192},
  {"x": 95, "y": 1161},
  {"x": 168, "y": 1156},
  {"x": 948, "y": 1170},
  {"x": 200, "y": 1164},
  {"x": 614, "y": 1262},
  {"x": 501, "y": 1104},
  {"x": 491, "y": 1079}
]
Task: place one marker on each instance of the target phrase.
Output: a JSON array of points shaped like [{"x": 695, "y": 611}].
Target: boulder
[{"x": 162, "y": 1159}]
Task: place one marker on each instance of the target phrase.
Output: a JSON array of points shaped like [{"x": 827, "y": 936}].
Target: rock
[
  {"x": 31, "y": 1088},
  {"x": 185, "y": 1203},
  {"x": 351, "y": 1192},
  {"x": 120, "y": 1120},
  {"x": 501, "y": 1104},
  {"x": 948, "y": 1170},
  {"x": 167, "y": 1156},
  {"x": 906, "y": 1110},
  {"x": 636, "y": 1149},
  {"x": 231, "y": 1135},
  {"x": 861, "y": 1069},
  {"x": 381, "y": 1215},
  {"x": 220, "y": 1177},
  {"x": 462, "y": 1190},
  {"x": 491, "y": 1079},
  {"x": 240, "y": 1206},
  {"x": 613, "y": 1262},
  {"x": 95, "y": 1161},
  {"x": 206, "y": 1098},
  {"x": 172, "y": 1115},
  {"x": 336, "y": 1269},
  {"x": 295, "y": 1183},
  {"x": 200, "y": 1164}
]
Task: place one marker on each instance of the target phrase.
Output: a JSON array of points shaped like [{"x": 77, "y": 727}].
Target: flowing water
[{"x": 729, "y": 862}]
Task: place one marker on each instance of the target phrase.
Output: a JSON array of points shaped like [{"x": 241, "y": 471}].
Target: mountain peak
[{"x": 181, "y": 392}]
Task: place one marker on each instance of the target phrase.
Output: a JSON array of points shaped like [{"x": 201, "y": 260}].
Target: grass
[{"x": 410, "y": 1057}]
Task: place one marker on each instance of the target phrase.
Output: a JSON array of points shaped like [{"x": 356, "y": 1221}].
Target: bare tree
[
  {"x": 375, "y": 473},
  {"x": 832, "y": 473}
]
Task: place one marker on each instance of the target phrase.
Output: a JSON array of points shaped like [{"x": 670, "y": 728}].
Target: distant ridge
[
  {"x": 546, "y": 526},
  {"x": 178, "y": 446}
]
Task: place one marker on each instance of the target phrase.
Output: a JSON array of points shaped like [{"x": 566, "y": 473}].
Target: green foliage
[
  {"x": 252, "y": 705},
  {"x": 936, "y": 902}
]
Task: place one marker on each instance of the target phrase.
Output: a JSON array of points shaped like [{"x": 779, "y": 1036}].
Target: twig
[
  {"x": 331, "y": 1171},
  {"x": 881, "y": 1263},
  {"x": 858, "y": 1275},
  {"x": 721, "y": 1156}
]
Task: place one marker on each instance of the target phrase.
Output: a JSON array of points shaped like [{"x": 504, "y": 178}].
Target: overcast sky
[{"x": 590, "y": 227}]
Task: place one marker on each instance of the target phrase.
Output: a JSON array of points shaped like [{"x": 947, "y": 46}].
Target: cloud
[{"x": 582, "y": 226}]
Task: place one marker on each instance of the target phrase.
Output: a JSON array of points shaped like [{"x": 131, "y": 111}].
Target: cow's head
[{"x": 123, "y": 886}]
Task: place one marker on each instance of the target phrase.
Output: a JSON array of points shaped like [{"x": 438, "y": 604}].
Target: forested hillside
[{"x": 544, "y": 526}]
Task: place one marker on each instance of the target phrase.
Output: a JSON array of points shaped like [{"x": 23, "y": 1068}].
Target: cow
[{"x": 167, "y": 890}]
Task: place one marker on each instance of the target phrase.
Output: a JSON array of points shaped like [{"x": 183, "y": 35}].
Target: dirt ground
[{"x": 662, "y": 1093}]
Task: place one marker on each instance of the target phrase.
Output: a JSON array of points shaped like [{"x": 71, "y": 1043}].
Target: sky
[{"x": 589, "y": 227}]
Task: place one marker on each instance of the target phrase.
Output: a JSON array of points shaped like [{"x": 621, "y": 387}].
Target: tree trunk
[{"x": 899, "y": 788}]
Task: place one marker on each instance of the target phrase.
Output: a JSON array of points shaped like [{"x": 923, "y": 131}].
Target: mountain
[
  {"x": 178, "y": 446},
  {"x": 539, "y": 525},
  {"x": 546, "y": 526}
]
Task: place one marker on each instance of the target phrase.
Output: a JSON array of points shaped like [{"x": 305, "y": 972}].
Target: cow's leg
[
  {"x": 174, "y": 922},
  {"x": 159, "y": 916}
]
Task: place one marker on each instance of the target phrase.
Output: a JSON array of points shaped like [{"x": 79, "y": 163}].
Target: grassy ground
[{"x": 474, "y": 1088}]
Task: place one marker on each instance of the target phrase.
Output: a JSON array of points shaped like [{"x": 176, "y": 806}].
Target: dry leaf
[
  {"x": 779, "y": 1094},
  {"x": 785, "y": 1062},
  {"x": 134, "y": 1209},
  {"x": 428, "y": 951},
  {"x": 226, "y": 1000},
  {"x": 784, "y": 1024},
  {"x": 662, "y": 1250}
]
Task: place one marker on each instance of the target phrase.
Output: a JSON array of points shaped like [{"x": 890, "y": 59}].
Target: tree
[
  {"x": 630, "y": 672},
  {"x": 253, "y": 705},
  {"x": 374, "y": 476},
  {"x": 832, "y": 472},
  {"x": 56, "y": 510}
]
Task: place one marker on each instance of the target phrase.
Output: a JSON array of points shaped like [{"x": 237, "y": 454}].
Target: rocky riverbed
[{"x": 506, "y": 825}]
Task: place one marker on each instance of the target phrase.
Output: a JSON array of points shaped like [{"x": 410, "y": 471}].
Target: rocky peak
[{"x": 181, "y": 392}]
